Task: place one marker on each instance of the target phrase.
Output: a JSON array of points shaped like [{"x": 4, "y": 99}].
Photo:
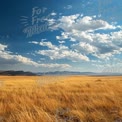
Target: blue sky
[{"x": 41, "y": 36}]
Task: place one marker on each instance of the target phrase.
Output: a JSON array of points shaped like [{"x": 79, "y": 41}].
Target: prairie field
[{"x": 60, "y": 99}]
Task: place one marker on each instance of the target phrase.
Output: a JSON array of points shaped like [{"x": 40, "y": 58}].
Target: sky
[{"x": 66, "y": 35}]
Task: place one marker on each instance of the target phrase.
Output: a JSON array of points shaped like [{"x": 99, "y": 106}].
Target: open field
[{"x": 60, "y": 99}]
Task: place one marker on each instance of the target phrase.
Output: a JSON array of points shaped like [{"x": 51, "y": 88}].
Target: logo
[{"x": 37, "y": 22}]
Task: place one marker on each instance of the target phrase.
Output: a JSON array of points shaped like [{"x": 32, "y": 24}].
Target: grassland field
[{"x": 60, "y": 99}]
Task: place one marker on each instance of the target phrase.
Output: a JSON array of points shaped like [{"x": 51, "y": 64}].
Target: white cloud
[
  {"x": 87, "y": 23},
  {"x": 99, "y": 45},
  {"x": 2, "y": 47},
  {"x": 53, "y": 14},
  {"x": 8, "y": 58},
  {"x": 85, "y": 48},
  {"x": 55, "y": 65},
  {"x": 34, "y": 42},
  {"x": 63, "y": 36},
  {"x": 61, "y": 42},
  {"x": 51, "y": 22},
  {"x": 83, "y": 31},
  {"x": 89, "y": 36},
  {"x": 61, "y": 52},
  {"x": 48, "y": 44},
  {"x": 76, "y": 27}
]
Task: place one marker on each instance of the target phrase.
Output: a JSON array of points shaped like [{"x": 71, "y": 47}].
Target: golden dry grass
[{"x": 60, "y": 99}]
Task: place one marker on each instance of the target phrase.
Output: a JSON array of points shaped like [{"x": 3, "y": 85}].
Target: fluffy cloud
[
  {"x": 61, "y": 52},
  {"x": 78, "y": 23},
  {"x": 53, "y": 14},
  {"x": 48, "y": 44},
  {"x": 85, "y": 48},
  {"x": 61, "y": 42},
  {"x": 85, "y": 33},
  {"x": 99, "y": 45},
  {"x": 7, "y": 57},
  {"x": 89, "y": 36},
  {"x": 2, "y": 47}
]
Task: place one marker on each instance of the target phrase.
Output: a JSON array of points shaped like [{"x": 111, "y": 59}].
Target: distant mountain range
[
  {"x": 23, "y": 73},
  {"x": 66, "y": 73},
  {"x": 80, "y": 73},
  {"x": 16, "y": 73}
]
